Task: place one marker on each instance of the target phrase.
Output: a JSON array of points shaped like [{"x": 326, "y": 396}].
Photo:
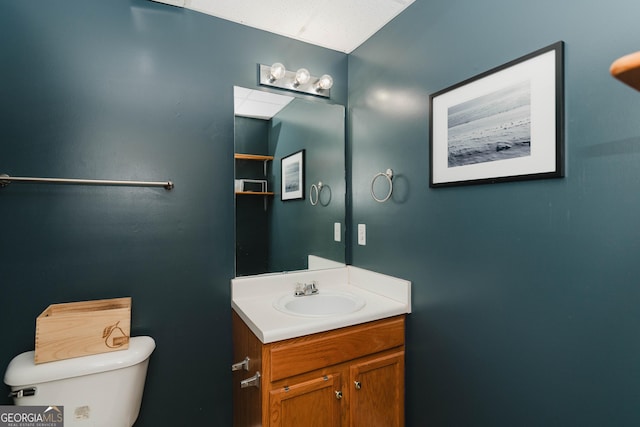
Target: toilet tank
[{"x": 101, "y": 390}]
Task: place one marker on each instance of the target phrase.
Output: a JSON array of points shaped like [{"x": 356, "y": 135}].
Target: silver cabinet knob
[
  {"x": 358, "y": 385},
  {"x": 338, "y": 394}
]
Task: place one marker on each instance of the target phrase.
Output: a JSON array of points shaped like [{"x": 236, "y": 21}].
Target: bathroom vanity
[
  {"x": 343, "y": 370},
  {"x": 351, "y": 376}
]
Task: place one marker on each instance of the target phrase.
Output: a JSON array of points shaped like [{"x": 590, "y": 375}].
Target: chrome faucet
[{"x": 306, "y": 289}]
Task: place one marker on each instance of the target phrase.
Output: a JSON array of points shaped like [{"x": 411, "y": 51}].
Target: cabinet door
[
  {"x": 313, "y": 403},
  {"x": 377, "y": 391}
]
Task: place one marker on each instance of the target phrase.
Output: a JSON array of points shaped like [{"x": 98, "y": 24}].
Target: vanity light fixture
[
  {"x": 302, "y": 77},
  {"x": 325, "y": 82},
  {"x": 276, "y": 72},
  {"x": 277, "y": 76}
]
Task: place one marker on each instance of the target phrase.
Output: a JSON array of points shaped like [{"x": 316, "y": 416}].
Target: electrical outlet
[
  {"x": 362, "y": 234},
  {"x": 337, "y": 233}
]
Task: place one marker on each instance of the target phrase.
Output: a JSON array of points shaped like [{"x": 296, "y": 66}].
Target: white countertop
[{"x": 252, "y": 298}]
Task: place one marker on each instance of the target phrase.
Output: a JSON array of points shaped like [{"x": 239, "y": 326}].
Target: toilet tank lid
[{"x": 23, "y": 371}]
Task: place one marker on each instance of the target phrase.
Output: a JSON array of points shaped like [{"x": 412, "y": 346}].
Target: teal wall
[
  {"x": 130, "y": 89},
  {"x": 275, "y": 235},
  {"x": 251, "y": 136},
  {"x": 297, "y": 228},
  {"x": 525, "y": 295}
]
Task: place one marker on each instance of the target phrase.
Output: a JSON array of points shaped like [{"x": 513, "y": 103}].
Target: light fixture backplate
[{"x": 288, "y": 82}]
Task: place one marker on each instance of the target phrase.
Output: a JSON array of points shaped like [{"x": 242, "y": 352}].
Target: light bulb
[
  {"x": 302, "y": 77},
  {"x": 325, "y": 82},
  {"x": 277, "y": 71}
]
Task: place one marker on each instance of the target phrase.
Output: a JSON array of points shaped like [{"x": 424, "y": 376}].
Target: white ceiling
[
  {"x": 341, "y": 25},
  {"x": 257, "y": 104}
]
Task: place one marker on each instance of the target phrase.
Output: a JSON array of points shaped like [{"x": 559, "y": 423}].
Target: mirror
[{"x": 276, "y": 233}]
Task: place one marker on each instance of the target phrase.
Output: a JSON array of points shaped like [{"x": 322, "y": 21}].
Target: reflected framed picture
[
  {"x": 506, "y": 124},
  {"x": 292, "y": 170}
]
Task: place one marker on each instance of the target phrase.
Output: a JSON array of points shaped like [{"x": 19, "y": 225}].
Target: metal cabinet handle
[
  {"x": 241, "y": 365},
  {"x": 253, "y": 381},
  {"x": 23, "y": 392},
  {"x": 338, "y": 394},
  {"x": 358, "y": 385}
]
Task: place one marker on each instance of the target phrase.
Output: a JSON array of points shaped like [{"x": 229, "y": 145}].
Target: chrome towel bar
[{"x": 6, "y": 180}]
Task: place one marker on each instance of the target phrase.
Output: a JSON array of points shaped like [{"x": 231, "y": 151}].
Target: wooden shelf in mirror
[
  {"x": 627, "y": 70},
  {"x": 260, "y": 157}
]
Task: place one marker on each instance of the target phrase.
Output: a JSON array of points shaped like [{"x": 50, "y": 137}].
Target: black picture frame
[
  {"x": 506, "y": 124},
  {"x": 292, "y": 176}
]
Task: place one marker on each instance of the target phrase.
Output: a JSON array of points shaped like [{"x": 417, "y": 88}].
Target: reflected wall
[{"x": 278, "y": 235}]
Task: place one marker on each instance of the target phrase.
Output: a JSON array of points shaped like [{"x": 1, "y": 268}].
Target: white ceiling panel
[
  {"x": 341, "y": 25},
  {"x": 258, "y": 104}
]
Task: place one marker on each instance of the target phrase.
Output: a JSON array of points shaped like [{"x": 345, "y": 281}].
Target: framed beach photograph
[
  {"x": 506, "y": 124},
  {"x": 292, "y": 170}
]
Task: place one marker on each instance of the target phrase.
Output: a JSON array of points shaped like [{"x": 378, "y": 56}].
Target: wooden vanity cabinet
[{"x": 352, "y": 376}]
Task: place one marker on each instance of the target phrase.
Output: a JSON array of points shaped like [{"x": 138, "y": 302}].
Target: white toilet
[{"x": 101, "y": 390}]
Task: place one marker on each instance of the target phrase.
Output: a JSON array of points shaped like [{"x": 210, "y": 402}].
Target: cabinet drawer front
[{"x": 304, "y": 354}]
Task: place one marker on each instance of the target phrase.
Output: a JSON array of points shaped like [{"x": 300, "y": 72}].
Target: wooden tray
[{"x": 82, "y": 328}]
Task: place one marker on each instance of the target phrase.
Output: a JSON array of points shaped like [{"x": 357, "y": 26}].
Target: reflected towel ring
[
  {"x": 389, "y": 176},
  {"x": 318, "y": 189}
]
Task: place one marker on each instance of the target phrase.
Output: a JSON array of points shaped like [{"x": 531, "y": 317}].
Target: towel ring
[
  {"x": 318, "y": 190},
  {"x": 389, "y": 176}
]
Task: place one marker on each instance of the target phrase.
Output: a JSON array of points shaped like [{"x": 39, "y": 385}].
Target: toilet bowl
[{"x": 101, "y": 390}]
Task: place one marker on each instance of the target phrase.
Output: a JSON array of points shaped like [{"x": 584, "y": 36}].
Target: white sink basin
[{"x": 322, "y": 304}]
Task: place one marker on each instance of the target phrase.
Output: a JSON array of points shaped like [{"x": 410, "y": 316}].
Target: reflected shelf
[
  {"x": 256, "y": 193},
  {"x": 252, "y": 157}
]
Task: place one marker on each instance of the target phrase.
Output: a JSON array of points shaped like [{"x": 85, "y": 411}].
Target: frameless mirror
[{"x": 290, "y": 183}]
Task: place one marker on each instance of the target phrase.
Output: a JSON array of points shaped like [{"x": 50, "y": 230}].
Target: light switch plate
[
  {"x": 362, "y": 234},
  {"x": 337, "y": 233}
]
